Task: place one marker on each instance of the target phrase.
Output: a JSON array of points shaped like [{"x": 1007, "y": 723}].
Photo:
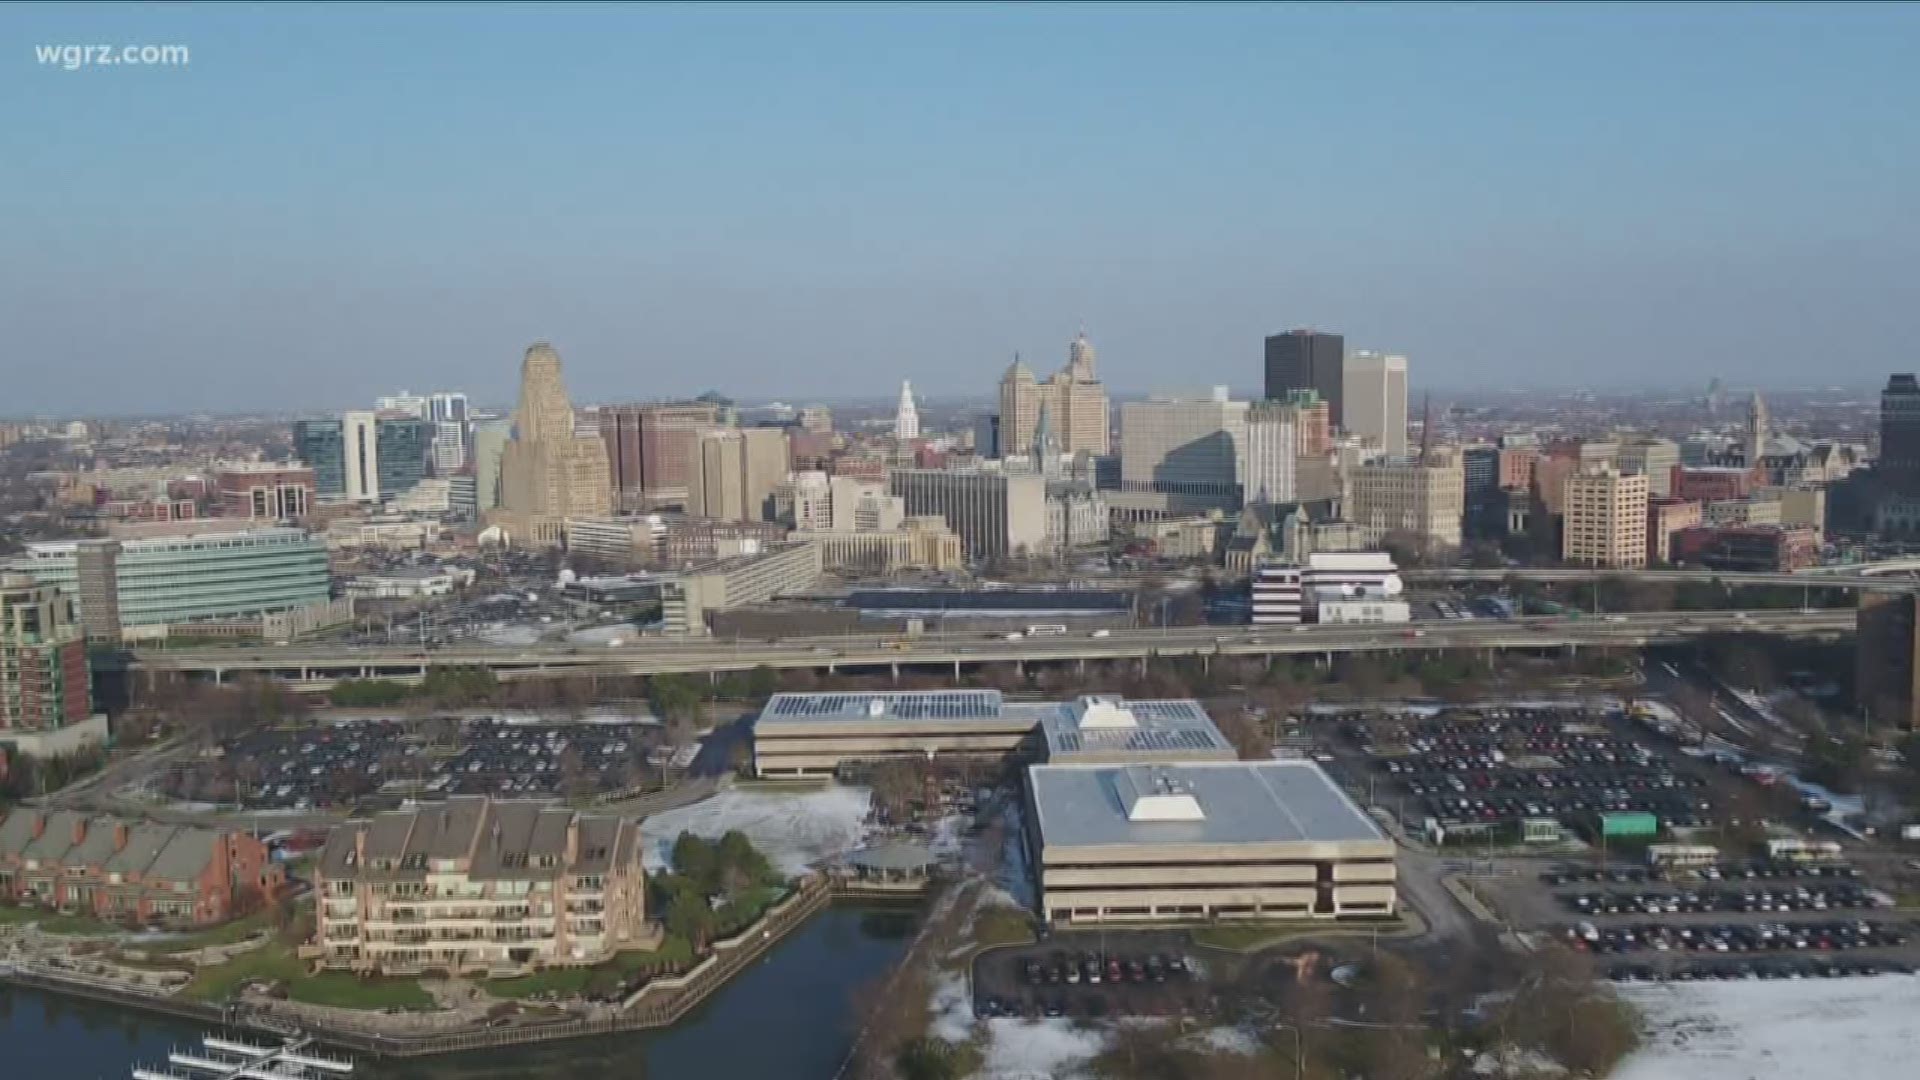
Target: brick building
[{"x": 145, "y": 872}]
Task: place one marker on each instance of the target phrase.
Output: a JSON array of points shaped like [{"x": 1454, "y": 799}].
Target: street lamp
[{"x": 1299, "y": 1049}]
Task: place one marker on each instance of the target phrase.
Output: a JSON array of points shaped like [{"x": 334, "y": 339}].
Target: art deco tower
[{"x": 549, "y": 472}]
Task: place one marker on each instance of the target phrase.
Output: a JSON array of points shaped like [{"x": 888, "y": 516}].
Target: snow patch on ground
[
  {"x": 1227, "y": 1040},
  {"x": 1031, "y": 1048},
  {"x": 1858, "y": 1027},
  {"x": 511, "y": 635},
  {"x": 794, "y": 829},
  {"x": 600, "y": 635},
  {"x": 952, "y": 1010}
]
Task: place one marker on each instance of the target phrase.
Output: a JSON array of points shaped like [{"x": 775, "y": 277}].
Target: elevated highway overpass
[
  {"x": 319, "y": 666},
  {"x": 1881, "y": 577}
]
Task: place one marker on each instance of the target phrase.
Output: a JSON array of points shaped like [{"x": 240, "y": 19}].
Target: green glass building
[{"x": 223, "y": 574}]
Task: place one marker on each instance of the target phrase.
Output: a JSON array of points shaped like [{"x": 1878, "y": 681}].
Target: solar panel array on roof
[
  {"x": 1176, "y": 726},
  {"x": 928, "y": 705},
  {"x": 1136, "y": 739}
]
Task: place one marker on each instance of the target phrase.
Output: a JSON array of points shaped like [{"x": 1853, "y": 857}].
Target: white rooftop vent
[
  {"x": 1154, "y": 795},
  {"x": 876, "y": 707},
  {"x": 1102, "y": 711}
]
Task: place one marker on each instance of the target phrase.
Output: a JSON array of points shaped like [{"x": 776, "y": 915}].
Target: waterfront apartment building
[
  {"x": 994, "y": 514},
  {"x": 203, "y": 570},
  {"x": 1425, "y": 499},
  {"x": 1374, "y": 400},
  {"x": 133, "y": 871},
  {"x": 1202, "y": 840},
  {"x": 1185, "y": 446},
  {"x": 1604, "y": 519},
  {"x": 479, "y": 885},
  {"x": 264, "y": 490},
  {"x": 45, "y": 683},
  {"x": 1308, "y": 360}
]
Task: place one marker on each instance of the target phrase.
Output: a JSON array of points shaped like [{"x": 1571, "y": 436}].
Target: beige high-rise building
[
  {"x": 1652, "y": 457},
  {"x": 1190, "y": 446},
  {"x": 1605, "y": 519},
  {"x": 1374, "y": 388},
  {"x": 1076, "y": 401},
  {"x": 735, "y": 472},
  {"x": 549, "y": 471},
  {"x": 1423, "y": 498}
]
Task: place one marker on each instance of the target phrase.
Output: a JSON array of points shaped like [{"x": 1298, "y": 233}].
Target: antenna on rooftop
[{"x": 1426, "y": 424}]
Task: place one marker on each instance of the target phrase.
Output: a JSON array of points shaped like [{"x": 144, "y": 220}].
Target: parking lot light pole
[{"x": 1299, "y": 1049}]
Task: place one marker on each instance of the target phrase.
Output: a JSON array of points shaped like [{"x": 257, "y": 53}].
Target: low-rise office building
[
  {"x": 1203, "y": 840},
  {"x": 813, "y": 735},
  {"x": 133, "y": 871},
  {"x": 474, "y": 884}
]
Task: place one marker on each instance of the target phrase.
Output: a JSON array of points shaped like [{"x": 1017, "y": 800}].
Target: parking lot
[
  {"x": 338, "y": 763},
  {"x": 1488, "y": 769},
  {"x": 1124, "y": 973}
]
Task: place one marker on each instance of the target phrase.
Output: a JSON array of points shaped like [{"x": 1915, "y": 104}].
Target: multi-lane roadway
[{"x": 319, "y": 665}]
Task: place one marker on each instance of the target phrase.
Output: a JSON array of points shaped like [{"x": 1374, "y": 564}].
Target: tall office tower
[
  {"x": 360, "y": 433},
  {"x": 736, "y": 472},
  {"x": 1374, "y": 387},
  {"x": 1308, "y": 360},
  {"x": 447, "y": 408},
  {"x": 1652, "y": 457},
  {"x": 1757, "y": 425},
  {"x": 489, "y": 445},
  {"x": 321, "y": 444},
  {"x": 404, "y": 445},
  {"x": 1313, "y": 423},
  {"x": 1077, "y": 403},
  {"x": 650, "y": 448},
  {"x": 548, "y": 472},
  {"x": 1605, "y": 519},
  {"x": 1425, "y": 499},
  {"x": 1184, "y": 447},
  {"x": 45, "y": 683},
  {"x": 1887, "y": 659},
  {"x": 906, "y": 419},
  {"x": 1271, "y": 453},
  {"x": 1899, "y": 464}
]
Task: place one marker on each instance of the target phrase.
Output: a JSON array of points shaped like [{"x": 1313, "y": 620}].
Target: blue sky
[{"x": 331, "y": 203}]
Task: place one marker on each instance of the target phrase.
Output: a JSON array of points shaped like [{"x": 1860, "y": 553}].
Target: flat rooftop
[
  {"x": 1099, "y": 724},
  {"x": 1194, "y": 802},
  {"x": 882, "y": 706}
]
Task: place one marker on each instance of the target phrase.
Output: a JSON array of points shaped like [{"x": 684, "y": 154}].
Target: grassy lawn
[
  {"x": 276, "y": 962},
  {"x": 574, "y": 981},
  {"x": 1001, "y": 926},
  {"x": 54, "y": 922}
]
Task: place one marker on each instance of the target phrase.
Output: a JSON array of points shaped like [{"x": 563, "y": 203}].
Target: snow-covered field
[
  {"x": 1855, "y": 1029},
  {"x": 601, "y": 635},
  {"x": 794, "y": 829}
]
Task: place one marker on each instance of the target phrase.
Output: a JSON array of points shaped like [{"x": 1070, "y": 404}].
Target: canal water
[{"x": 785, "y": 1018}]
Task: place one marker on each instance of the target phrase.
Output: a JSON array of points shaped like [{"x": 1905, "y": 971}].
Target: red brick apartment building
[{"x": 178, "y": 875}]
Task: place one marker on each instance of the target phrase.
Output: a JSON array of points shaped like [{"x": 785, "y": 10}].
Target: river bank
[{"x": 795, "y": 1001}]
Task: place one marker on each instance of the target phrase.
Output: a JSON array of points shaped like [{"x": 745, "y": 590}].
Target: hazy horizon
[{"x": 328, "y": 204}]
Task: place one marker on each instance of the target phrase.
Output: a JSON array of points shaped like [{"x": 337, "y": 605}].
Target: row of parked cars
[
  {"x": 1778, "y": 969},
  {"x": 1756, "y": 870},
  {"x": 1094, "y": 969},
  {"x": 1779, "y": 898},
  {"x": 1830, "y": 936}
]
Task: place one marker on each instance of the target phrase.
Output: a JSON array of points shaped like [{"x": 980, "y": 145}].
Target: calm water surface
[{"x": 785, "y": 1018}]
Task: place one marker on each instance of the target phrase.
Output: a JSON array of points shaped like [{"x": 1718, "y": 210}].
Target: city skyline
[{"x": 328, "y": 219}]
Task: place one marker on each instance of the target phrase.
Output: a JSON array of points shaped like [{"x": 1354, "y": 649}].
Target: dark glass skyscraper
[
  {"x": 401, "y": 451},
  {"x": 1307, "y": 360},
  {"x": 322, "y": 445},
  {"x": 1899, "y": 466}
]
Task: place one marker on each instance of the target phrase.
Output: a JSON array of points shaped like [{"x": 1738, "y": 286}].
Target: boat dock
[{"x": 219, "y": 1058}]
